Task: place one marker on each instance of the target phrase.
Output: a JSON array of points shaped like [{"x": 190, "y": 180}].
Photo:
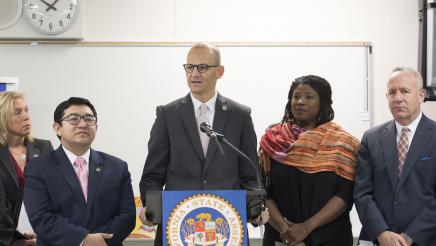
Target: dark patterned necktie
[{"x": 403, "y": 146}]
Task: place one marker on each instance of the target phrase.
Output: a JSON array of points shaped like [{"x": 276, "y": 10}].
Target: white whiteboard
[{"x": 126, "y": 83}]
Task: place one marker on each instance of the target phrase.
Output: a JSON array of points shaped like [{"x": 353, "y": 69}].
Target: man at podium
[{"x": 180, "y": 156}]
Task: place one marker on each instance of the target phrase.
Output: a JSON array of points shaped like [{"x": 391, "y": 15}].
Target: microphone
[{"x": 206, "y": 128}]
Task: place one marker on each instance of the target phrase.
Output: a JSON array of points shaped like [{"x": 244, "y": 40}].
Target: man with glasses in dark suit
[
  {"x": 180, "y": 156},
  {"x": 76, "y": 195}
]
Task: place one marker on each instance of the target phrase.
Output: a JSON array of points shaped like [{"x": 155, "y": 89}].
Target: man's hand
[
  {"x": 30, "y": 235},
  {"x": 30, "y": 241},
  {"x": 300, "y": 244},
  {"x": 96, "y": 239},
  {"x": 24, "y": 242},
  {"x": 406, "y": 238},
  {"x": 143, "y": 218},
  {"x": 388, "y": 238},
  {"x": 262, "y": 218}
]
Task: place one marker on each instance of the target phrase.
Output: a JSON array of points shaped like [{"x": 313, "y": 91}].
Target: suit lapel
[
  {"x": 65, "y": 167},
  {"x": 190, "y": 123},
  {"x": 32, "y": 150},
  {"x": 5, "y": 157},
  {"x": 95, "y": 172},
  {"x": 219, "y": 122},
  {"x": 420, "y": 139},
  {"x": 390, "y": 152}
]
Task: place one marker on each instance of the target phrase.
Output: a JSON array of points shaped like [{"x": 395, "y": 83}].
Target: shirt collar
[
  {"x": 72, "y": 157},
  {"x": 412, "y": 126},
  {"x": 210, "y": 104}
]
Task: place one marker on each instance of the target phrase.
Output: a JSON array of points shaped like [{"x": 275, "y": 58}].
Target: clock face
[{"x": 51, "y": 16}]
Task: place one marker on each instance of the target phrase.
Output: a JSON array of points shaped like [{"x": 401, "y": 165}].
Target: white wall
[
  {"x": 394, "y": 34},
  {"x": 390, "y": 25},
  {"x": 227, "y": 20}
]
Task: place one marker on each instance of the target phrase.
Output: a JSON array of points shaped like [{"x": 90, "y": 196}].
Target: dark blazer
[
  {"x": 386, "y": 202},
  {"x": 7, "y": 226},
  {"x": 57, "y": 208},
  {"x": 13, "y": 193},
  {"x": 175, "y": 156}
]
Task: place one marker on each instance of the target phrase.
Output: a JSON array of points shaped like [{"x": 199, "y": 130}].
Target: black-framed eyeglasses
[
  {"x": 201, "y": 68},
  {"x": 74, "y": 119}
]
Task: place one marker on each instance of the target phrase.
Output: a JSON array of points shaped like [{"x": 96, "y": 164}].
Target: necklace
[{"x": 22, "y": 157}]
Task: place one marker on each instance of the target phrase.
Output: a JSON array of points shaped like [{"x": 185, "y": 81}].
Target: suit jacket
[
  {"x": 7, "y": 230},
  {"x": 13, "y": 194},
  {"x": 57, "y": 208},
  {"x": 385, "y": 201},
  {"x": 175, "y": 156}
]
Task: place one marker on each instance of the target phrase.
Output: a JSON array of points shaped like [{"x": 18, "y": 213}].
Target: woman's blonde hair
[{"x": 7, "y": 111}]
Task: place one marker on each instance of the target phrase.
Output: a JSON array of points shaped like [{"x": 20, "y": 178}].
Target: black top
[{"x": 300, "y": 195}]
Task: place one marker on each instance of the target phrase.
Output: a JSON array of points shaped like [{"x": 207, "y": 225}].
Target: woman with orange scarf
[{"x": 309, "y": 163}]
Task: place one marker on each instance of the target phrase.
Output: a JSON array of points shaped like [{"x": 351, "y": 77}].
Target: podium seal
[{"x": 204, "y": 219}]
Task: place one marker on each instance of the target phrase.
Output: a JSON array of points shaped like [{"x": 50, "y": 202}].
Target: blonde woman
[{"x": 17, "y": 147}]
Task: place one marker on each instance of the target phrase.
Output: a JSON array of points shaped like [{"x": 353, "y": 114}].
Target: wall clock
[{"x": 51, "y": 17}]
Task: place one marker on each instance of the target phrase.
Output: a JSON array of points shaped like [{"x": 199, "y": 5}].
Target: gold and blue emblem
[{"x": 204, "y": 218}]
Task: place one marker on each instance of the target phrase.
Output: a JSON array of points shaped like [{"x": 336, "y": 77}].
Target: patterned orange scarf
[{"x": 327, "y": 147}]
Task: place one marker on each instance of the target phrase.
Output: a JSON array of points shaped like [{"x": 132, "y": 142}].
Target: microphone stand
[
  {"x": 219, "y": 138},
  {"x": 255, "y": 197}
]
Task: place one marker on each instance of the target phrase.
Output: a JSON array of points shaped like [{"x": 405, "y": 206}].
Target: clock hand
[
  {"x": 45, "y": 3},
  {"x": 51, "y": 6}
]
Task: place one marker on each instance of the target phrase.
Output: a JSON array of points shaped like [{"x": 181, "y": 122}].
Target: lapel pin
[
  {"x": 224, "y": 107},
  {"x": 35, "y": 155},
  {"x": 98, "y": 168}
]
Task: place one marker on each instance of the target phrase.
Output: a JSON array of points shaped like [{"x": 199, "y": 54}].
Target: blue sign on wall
[
  {"x": 206, "y": 217},
  {"x": 2, "y": 86}
]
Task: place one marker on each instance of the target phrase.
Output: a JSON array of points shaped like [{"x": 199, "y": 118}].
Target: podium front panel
[{"x": 205, "y": 217}]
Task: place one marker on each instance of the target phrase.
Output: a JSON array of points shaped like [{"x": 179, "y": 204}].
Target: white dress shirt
[
  {"x": 412, "y": 127},
  {"x": 210, "y": 107}
]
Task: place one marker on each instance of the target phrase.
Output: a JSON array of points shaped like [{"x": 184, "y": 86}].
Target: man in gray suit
[
  {"x": 180, "y": 157},
  {"x": 395, "y": 185}
]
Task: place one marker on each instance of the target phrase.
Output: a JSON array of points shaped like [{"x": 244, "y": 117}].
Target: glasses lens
[
  {"x": 188, "y": 67},
  {"x": 89, "y": 119},
  {"x": 73, "y": 119},
  {"x": 202, "y": 68}
]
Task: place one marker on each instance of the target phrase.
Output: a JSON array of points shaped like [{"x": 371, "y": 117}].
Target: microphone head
[{"x": 204, "y": 127}]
